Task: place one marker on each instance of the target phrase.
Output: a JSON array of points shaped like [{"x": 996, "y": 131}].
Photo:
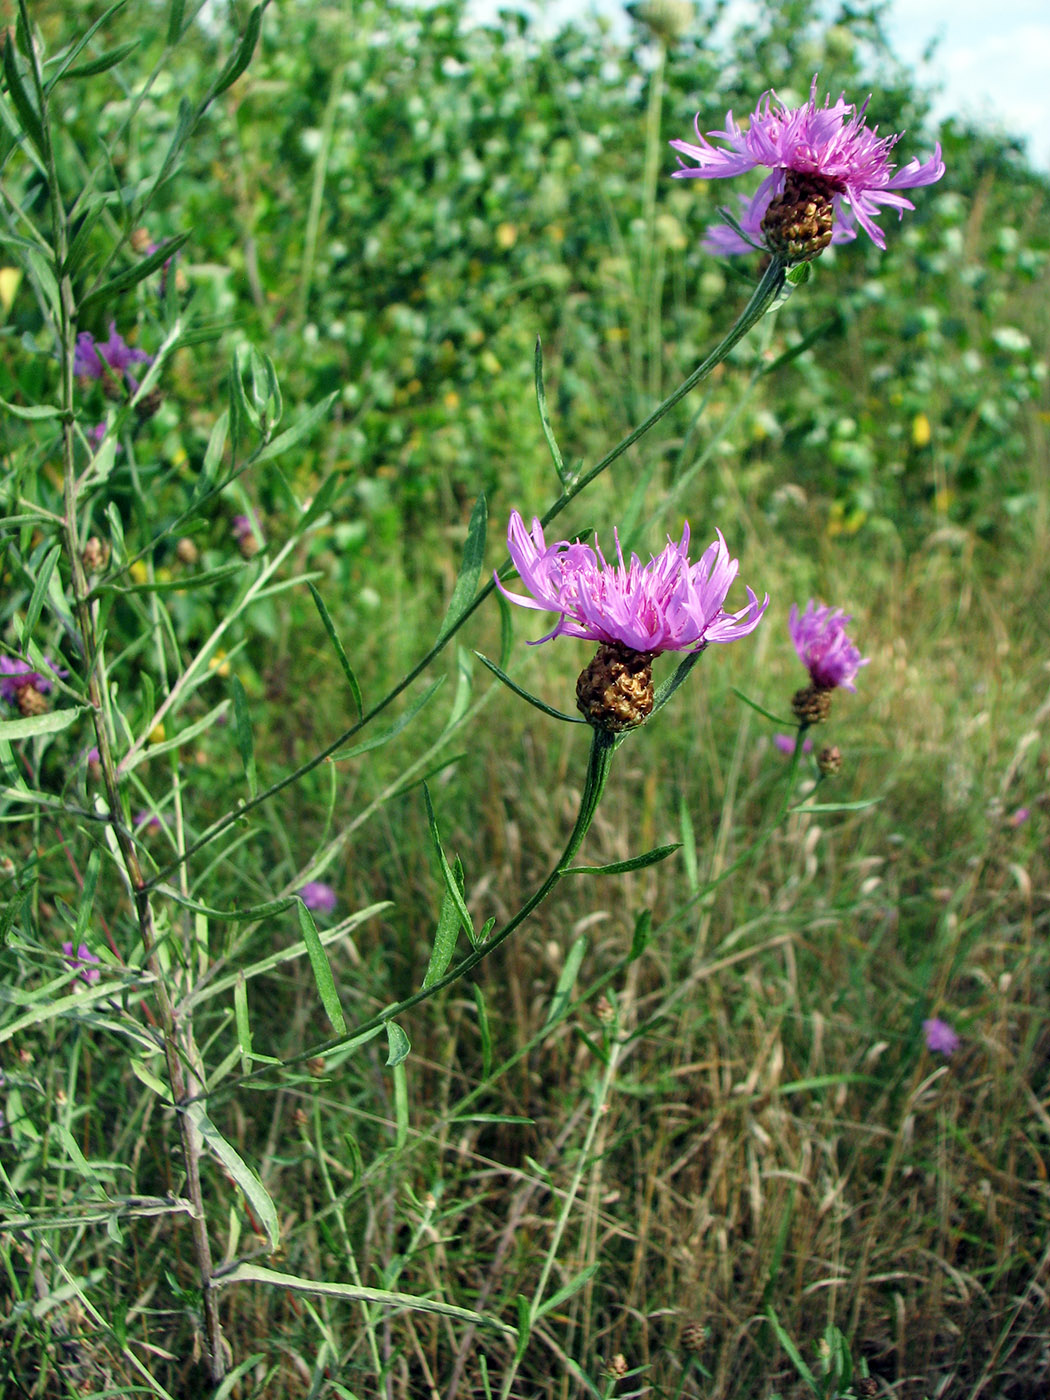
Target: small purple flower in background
[
  {"x": 940, "y": 1038},
  {"x": 668, "y": 604},
  {"x": 828, "y": 152},
  {"x": 318, "y": 897},
  {"x": 786, "y": 744},
  {"x": 148, "y": 821},
  {"x": 247, "y": 533},
  {"x": 16, "y": 676},
  {"x": 1019, "y": 817},
  {"x": 92, "y": 359},
  {"x": 85, "y": 960},
  {"x": 820, "y": 638}
]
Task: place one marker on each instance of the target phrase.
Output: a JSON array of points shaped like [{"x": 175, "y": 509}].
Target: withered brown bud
[
  {"x": 604, "y": 1010},
  {"x": 96, "y": 555},
  {"x": 829, "y": 760},
  {"x": 694, "y": 1336},
  {"x": 30, "y": 701},
  {"x": 615, "y": 692},
  {"x": 618, "y": 1367},
  {"x": 866, "y": 1386},
  {"x": 812, "y": 705},
  {"x": 148, "y": 404},
  {"x": 316, "y": 1066},
  {"x": 186, "y": 551},
  {"x": 140, "y": 240},
  {"x": 798, "y": 222}
]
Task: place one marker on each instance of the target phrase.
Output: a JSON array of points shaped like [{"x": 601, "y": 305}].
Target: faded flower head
[
  {"x": 668, "y": 604},
  {"x": 84, "y": 960},
  {"x": 248, "y": 534},
  {"x": 92, "y": 359},
  {"x": 17, "y": 676},
  {"x": 827, "y": 159},
  {"x": 940, "y": 1038},
  {"x": 820, "y": 638},
  {"x": 318, "y": 897}
]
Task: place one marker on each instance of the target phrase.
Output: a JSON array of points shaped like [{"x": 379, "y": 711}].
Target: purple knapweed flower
[
  {"x": 1019, "y": 817},
  {"x": 819, "y": 635},
  {"x": 724, "y": 241},
  {"x": 92, "y": 359},
  {"x": 85, "y": 960},
  {"x": 665, "y": 605},
  {"x": 940, "y": 1038},
  {"x": 831, "y": 144},
  {"x": 318, "y": 897},
  {"x": 15, "y": 675},
  {"x": 786, "y": 744}
]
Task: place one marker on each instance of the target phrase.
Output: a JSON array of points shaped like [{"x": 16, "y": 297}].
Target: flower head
[
  {"x": 17, "y": 675},
  {"x": 832, "y": 150},
  {"x": 940, "y": 1038},
  {"x": 318, "y": 896},
  {"x": 820, "y": 638},
  {"x": 85, "y": 960},
  {"x": 786, "y": 744},
  {"x": 668, "y": 604},
  {"x": 92, "y": 359}
]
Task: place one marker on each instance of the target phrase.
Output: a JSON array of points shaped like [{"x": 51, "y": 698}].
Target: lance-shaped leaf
[
  {"x": 322, "y": 970},
  {"x": 254, "y": 1191},
  {"x": 337, "y": 646},
  {"x": 545, "y": 421},
  {"x": 526, "y": 695},
  {"x": 245, "y": 742},
  {"x": 447, "y": 933},
  {"x": 99, "y": 296},
  {"x": 623, "y": 867},
  {"x": 469, "y": 569}
]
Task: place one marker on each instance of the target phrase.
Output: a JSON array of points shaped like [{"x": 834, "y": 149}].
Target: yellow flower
[{"x": 921, "y": 432}]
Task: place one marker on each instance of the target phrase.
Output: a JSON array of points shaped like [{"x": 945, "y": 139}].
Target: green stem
[
  {"x": 762, "y": 300},
  {"x": 599, "y": 764}
]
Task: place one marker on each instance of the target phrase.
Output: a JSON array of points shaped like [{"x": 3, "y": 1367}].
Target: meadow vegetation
[{"x": 681, "y": 1134}]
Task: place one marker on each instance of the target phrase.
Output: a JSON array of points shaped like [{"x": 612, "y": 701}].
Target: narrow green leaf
[
  {"x": 322, "y": 499},
  {"x": 245, "y": 743},
  {"x": 469, "y": 569},
  {"x": 233, "y": 1377},
  {"x": 545, "y": 421},
  {"x": 87, "y": 898},
  {"x": 665, "y": 691},
  {"x": 296, "y": 433},
  {"x": 623, "y": 867},
  {"x": 836, "y": 806},
  {"x": 322, "y": 969},
  {"x": 447, "y": 934},
  {"x": 249, "y": 914},
  {"x": 24, "y": 105},
  {"x": 506, "y": 630},
  {"x": 244, "y": 1030},
  {"x": 803, "y": 345},
  {"x": 399, "y": 1044},
  {"x": 239, "y": 61},
  {"x": 567, "y": 1290},
  {"x": 76, "y": 49},
  {"x": 254, "y": 1191},
  {"x": 33, "y": 725},
  {"x": 36, "y": 601},
  {"x": 563, "y": 991},
  {"x": 524, "y": 1327},
  {"x": 782, "y": 1336},
  {"x": 104, "y": 61},
  {"x": 183, "y": 737},
  {"x": 341, "y": 657},
  {"x": 397, "y": 1060},
  {"x": 453, "y": 889},
  {"x": 132, "y": 276},
  {"x": 378, "y": 740},
  {"x": 484, "y": 1031},
  {"x": 525, "y": 695},
  {"x": 32, "y": 412},
  {"x": 116, "y": 534},
  {"x": 175, "y": 17},
  {"x": 213, "y": 452},
  {"x": 79, "y": 246},
  {"x": 254, "y": 1273},
  {"x": 185, "y": 583},
  {"x": 768, "y": 714}
]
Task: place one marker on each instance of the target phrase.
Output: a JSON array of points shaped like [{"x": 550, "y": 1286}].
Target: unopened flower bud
[
  {"x": 618, "y": 1367},
  {"x": 798, "y": 222},
  {"x": 615, "y": 692},
  {"x": 96, "y": 555},
  {"x": 140, "y": 240},
  {"x": 668, "y": 19},
  {"x": 812, "y": 705},
  {"x": 604, "y": 1010},
  {"x": 829, "y": 760},
  {"x": 186, "y": 551},
  {"x": 316, "y": 1065}
]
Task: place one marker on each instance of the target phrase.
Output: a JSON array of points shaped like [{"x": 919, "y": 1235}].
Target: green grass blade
[{"x": 322, "y": 970}]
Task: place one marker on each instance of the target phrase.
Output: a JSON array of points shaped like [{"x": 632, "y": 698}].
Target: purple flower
[
  {"x": 786, "y": 744},
  {"x": 146, "y": 820},
  {"x": 1019, "y": 817},
  {"x": 92, "y": 359},
  {"x": 724, "y": 241},
  {"x": 832, "y": 144},
  {"x": 318, "y": 896},
  {"x": 85, "y": 960},
  {"x": 819, "y": 635},
  {"x": 665, "y": 605},
  {"x": 940, "y": 1038},
  {"x": 15, "y": 675}
]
